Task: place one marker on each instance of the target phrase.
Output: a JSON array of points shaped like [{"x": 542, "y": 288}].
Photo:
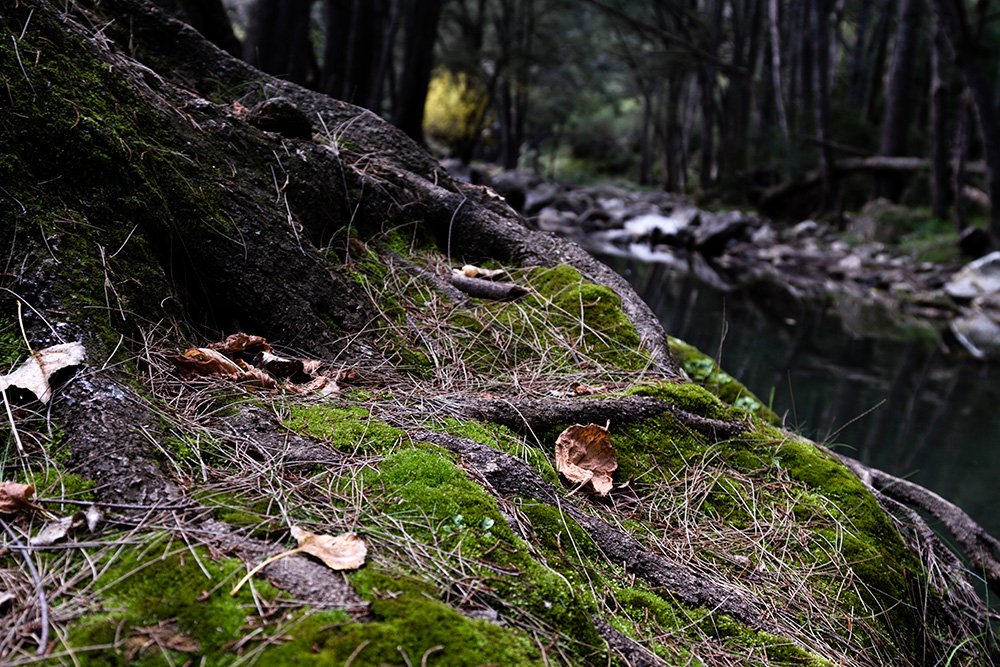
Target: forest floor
[{"x": 292, "y": 435}]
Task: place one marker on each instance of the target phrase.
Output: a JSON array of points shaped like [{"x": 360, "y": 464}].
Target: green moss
[
  {"x": 258, "y": 514},
  {"x": 563, "y": 321},
  {"x": 440, "y": 505},
  {"x": 350, "y": 429},
  {"x": 501, "y": 438},
  {"x": 163, "y": 582},
  {"x": 408, "y": 628},
  {"x": 704, "y": 372}
]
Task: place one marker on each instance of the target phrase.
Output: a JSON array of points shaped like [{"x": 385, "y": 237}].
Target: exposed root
[{"x": 981, "y": 548}]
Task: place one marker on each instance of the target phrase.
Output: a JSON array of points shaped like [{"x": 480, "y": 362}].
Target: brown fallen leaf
[
  {"x": 33, "y": 375},
  {"x": 201, "y": 361},
  {"x": 343, "y": 552},
  {"x": 584, "y": 455},
  {"x": 322, "y": 385},
  {"x": 243, "y": 343},
  {"x": 279, "y": 366},
  {"x": 346, "y": 551},
  {"x": 15, "y": 497},
  {"x": 55, "y": 531}
]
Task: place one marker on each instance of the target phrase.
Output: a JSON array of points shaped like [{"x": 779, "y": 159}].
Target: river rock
[
  {"x": 715, "y": 230},
  {"x": 976, "y": 278},
  {"x": 978, "y": 327}
]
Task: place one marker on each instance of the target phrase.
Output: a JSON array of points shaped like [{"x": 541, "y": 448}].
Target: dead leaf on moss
[
  {"x": 343, "y": 552},
  {"x": 584, "y": 455},
  {"x": 33, "y": 375},
  {"x": 279, "y": 366},
  {"x": 15, "y": 497},
  {"x": 55, "y": 531},
  {"x": 322, "y": 385},
  {"x": 201, "y": 361},
  {"x": 52, "y": 532}
]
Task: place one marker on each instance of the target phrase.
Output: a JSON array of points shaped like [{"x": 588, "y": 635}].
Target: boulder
[
  {"x": 976, "y": 278},
  {"x": 715, "y": 231}
]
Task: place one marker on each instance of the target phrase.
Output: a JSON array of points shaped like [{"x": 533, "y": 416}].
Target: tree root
[
  {"x": 981, "y": 548},
  {"x": 535, "y": 415},
  {"x": 510, "y": 476}
]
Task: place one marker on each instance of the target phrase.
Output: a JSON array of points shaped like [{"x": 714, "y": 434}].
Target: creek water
[{"x": 910, "y": 408}]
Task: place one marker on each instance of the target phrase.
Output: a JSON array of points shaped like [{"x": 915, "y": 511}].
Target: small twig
[{"x": 43, "y": 604}]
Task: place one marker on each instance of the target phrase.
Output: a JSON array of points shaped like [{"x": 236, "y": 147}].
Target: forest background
[{"x": 802, "y": 107}]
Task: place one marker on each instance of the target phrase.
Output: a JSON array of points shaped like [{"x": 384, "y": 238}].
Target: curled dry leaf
[
  {"x": 279, "y": 366},
  {"x": 584, "y": 454},
  {"x": 15, "y": 497},
  {"x": 470, "y": 271},
  {"x": 59, "y": 529},
  {"x": 343, "y": 552},
  {"x": 243, "y": 343},
  {"x": 33, "y": 375}
]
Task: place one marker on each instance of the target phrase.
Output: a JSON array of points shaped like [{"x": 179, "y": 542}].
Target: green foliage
[{"x": 455, "y": 111}]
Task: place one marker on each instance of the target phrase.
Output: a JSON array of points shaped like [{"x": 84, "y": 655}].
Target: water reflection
[{"x": 906, "y": 407}]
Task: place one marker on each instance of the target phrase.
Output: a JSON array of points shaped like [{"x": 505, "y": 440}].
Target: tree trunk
[
  {"x": 774, "y": 31},
  {"x": 895, "y": 116},
  {"x": 420, "y": 24},
  {"x": 337, "y": 21},
  {"x": 821, "y": 38},
  {"x": 940, "y": 172},
  {"x": 966, "y": 56},
  {"x": 209, "y": 17},
  {"x": 278, "y": 41}
]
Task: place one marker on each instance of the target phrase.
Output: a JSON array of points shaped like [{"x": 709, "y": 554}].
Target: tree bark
[
  {"x": 420, "y": 24},
  {"x": 278, "y": 40},
  {"x": 895, "y": 116},
  {"x": 965, "y": 55},
  {"x": 821, "y": 37},
  {"x": 940, "y": 172}
]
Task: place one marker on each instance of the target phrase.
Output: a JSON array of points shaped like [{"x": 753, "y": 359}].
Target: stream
[{"x": 907, "y": 407}]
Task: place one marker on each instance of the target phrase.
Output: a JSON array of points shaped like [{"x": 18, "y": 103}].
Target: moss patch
[
  {"x": 349, "y": 429},
  {"x": 164, "y": 583}
]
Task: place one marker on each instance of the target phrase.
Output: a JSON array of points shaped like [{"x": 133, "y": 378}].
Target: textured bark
[
  {"x": 896, "y": 116},
  {"x": 965, "y": 53}
]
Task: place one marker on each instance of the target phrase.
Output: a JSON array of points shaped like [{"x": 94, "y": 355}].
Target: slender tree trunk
[
  {"x": 774, "y": 25},
  {"x": 821, "y": 37},
  {"x": 896, "y": 116},
  {"x": 646, "y": 140},
  {"x": 938, "y": 131},
  {"x": 337, "y": 20},
  {"x": 671, "y": 135},
  {"x": 880, "y": 44},
  {"x": 856, "y": 77},
  {"x": 209, "y": 17},
  {"x": 966, "y": 53},
  {"x": 279, "y": 43},
  {"x": 959, "y": 159},
  {"x": 421, "y": 32}
]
